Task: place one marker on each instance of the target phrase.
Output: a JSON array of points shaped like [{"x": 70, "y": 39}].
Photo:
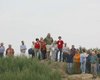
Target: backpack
[{"x": 31, "y": 51}]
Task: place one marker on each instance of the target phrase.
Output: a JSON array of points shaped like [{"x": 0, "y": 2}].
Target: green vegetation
[{"x": 26, "y": 69}]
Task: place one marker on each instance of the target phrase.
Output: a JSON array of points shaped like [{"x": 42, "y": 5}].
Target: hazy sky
[{"x": 77, "y": 21}]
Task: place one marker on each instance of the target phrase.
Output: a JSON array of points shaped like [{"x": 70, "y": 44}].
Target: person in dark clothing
[
  {"x": 73, "y": 50},
  {"x": 88, "y": 63},
  {"x": 31, "y": 52},
  {"x": 98, "y": 65},
  {"x": 69, "y": 61}
]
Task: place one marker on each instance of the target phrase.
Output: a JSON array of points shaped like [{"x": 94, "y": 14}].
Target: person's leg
[
  {"x": 57, "y": 55},
  {"x": 84, "y": 67},
  {"x": 87, "y": 67},
  {"x": 95, "y": 70},
  {"x": 44, "y": 54},
  {"x": 1, "y": 55},
  {"x": 68, "y": 68},
  {"x": 35, "y": 51},
  {"x": 53, "y": 56},
  {"x": 63, "y": 57},
  {"x": 74, "y": 67},
  {"x": 60, "y": 54},
  {"x": 77, "y": 67},
  {"x": 92, "y": 70},
  {"x": 48, "y": 52},
  {"x": 38, "y": 54},
  {"x": 71, "y": 66},
  {"x": 99, "y": 68}
]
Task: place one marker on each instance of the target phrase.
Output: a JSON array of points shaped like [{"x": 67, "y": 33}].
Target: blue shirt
[
  {"x": 93, "y": 59},
  {"x": 69, "y": 58},
  {"x": 2, "y": 49}
]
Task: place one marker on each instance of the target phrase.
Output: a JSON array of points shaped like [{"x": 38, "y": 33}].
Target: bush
[{"x": 25, "y": 69}]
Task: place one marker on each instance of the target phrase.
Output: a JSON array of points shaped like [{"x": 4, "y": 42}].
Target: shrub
[{"x": 25, "y": 69}]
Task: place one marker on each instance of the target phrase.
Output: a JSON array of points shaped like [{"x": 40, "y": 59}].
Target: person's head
[
  {"x": 55, "y": 42},
  {"x": 37, "y": 39},
  {"x": 9, "y": 46},
  {"x": 98, "y": 52},
  {"x": 73, "y": 46},
  {"x": 22, "y": 42},
  {"x": 1, "y": 44},
  {"x": 65, "y": 44},
  {"x": 89, "y": 52},
  {"x": 48, "y": 35},
  {"x": 33, "y": 42},
  {"x": 83, "y": 50},
  {"x": 93, "y": 52},
  {"x": 59, "y": 37},
  {"x": 77, "y": 51},
  {"x": 41, "y": 39}
]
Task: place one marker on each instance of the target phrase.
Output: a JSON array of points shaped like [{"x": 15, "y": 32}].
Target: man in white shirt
[
  {"x": 2, "y": 49},
  {"x": 23, "y": 48},
  {"x": 66, "y": 50}
]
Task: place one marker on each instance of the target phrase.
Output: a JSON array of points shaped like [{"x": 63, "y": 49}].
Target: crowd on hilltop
[{"x": 78, "y": 60}]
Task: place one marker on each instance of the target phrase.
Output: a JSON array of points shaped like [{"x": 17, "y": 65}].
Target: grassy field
[{"x": 26, "y": 69}]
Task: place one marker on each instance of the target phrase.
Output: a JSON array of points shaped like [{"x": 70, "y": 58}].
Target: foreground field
[
  {"x": 26, "y": 69},
  {"x": 32, "y": 69}
]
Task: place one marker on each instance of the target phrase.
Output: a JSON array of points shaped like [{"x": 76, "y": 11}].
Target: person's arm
[
  {"x": 45, "y": 40},
  {"x": 3, "y": 49},
  {"x": 13, "y": 51},
  {"x": 6, "y": 51},
  {"x": 52, "y": 40}
]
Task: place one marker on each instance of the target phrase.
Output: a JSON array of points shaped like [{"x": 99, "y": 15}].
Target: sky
[{"x": 77, "y": 21}]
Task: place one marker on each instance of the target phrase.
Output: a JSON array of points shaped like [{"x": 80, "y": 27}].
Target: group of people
[
  {"x": 78, "y": 60},
  {"x": 83, "y": 61},
  {"x": 47, "y": 48}
]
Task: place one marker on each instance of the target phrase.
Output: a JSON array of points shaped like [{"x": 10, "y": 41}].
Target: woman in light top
[{"x": 83, "y": 57}]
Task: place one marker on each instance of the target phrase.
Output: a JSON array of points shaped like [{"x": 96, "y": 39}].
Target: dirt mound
[{"x": 81, "y": 77}]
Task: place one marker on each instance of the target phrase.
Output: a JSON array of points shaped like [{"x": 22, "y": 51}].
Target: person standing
[
  {"x": 69, "y": 62},
  {"x": 65, "y": 51},
  {"x": 94, "y": 64},
  {"x": 49, "y": 41},
  {"x": 23, "y": 48},
  {"x": 83, "y": 57},
  {"x": 37, "y": 47},
  {"x": 77, "y": 62},
  {"x": 98, "y": 65},
  {"x": 9, "y": 51},
  {"x": 43, "y": 48},
  {"x": 73, "y": 50},
  {"x": 53, "y": 51},
  {"x": 88, "y": 63},
  {"x": 60, "y": 47},
  {"x": 31, "y": 50},
  {"x": 2, "y": 49}
]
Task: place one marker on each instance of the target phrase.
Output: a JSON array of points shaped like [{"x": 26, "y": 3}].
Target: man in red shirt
[
  {"x": 43, "y": 48},
  {"x": 60, "y": 47}
]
